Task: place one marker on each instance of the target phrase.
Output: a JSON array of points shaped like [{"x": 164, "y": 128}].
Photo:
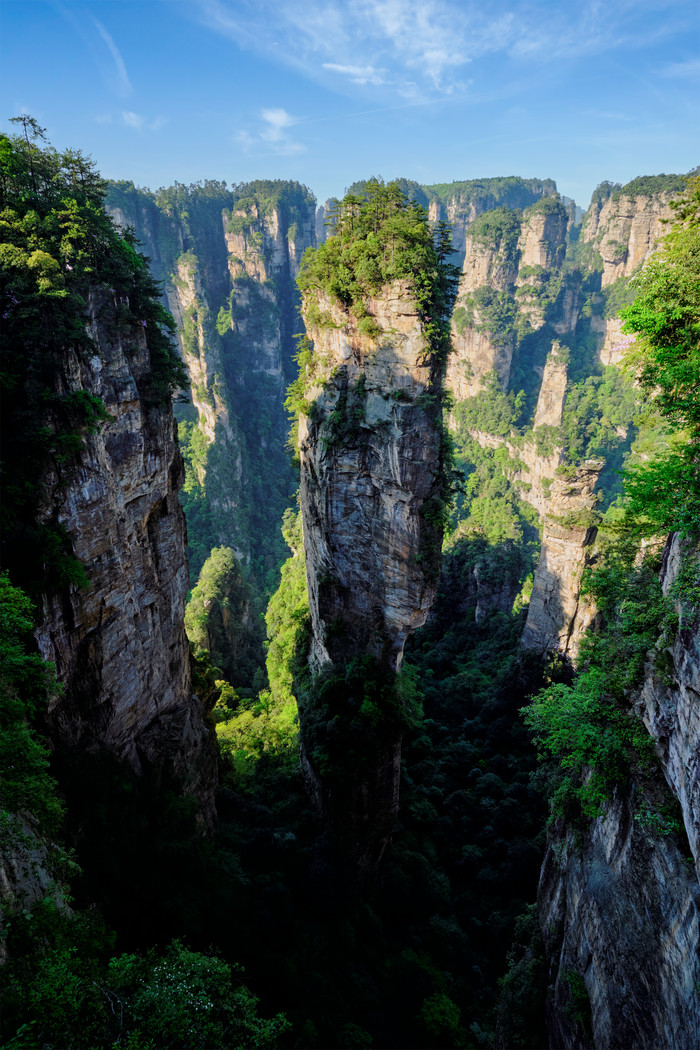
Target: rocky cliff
[
  {"x": 620, "y": 900},
  {"x": 558, "y": 615},
  {"x": 228, "y": 260},
  {"x": 370, "y": 464},
  {"x": 118, "y": 644},
  {"x": 536, "y": 312},
  {"x": 461, "y": 203},
  {"x": 370, "y": 454}
]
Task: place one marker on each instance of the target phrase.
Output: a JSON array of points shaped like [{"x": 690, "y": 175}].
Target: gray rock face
[
  {"x": 370, "y": 462},
  {"x": 620, "y": 922},
  {"x": 119, "y": 646},
  {"x": 228, "y": 272},
  {"x": 370, "y": 457},
  {"x": 669, "y": 704},
  {"x": 620, "y": 901},
  {"x": 558, "y": 616}
]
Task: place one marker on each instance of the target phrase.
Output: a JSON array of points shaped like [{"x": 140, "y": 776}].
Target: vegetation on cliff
[
  {"x": 589, "y": 726},
  {"x": 380, "y": 237},
  {"x": 59, "y": 251}
]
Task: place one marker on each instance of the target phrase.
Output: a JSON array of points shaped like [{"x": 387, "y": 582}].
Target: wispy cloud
[
  {"x": 140, "y": 123},
  {"x": 271, "y": 134},
  {"x": 689, "y": 70},
  {"x": 101, "y": 45},
  {"x": 123, "y": 84},
  {"x": 419, "y": 48},
  {"x": 357, "y": 74}
]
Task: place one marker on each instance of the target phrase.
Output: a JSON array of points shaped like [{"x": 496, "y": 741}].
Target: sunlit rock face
[
  {"x": 370, "y": 464},
  {"x": 626, "y": 230},
  {"x": 559, "y": 616},
  {"x": 370, "y": 454},
  {"x": 119, "y": 645}
]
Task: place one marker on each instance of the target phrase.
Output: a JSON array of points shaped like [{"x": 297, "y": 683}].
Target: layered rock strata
[
  {"x": 620, "y": 922},
  {"x": 119, "y": 645},
  {"x": 558, "y": 616},
  {"x": 370, "y": 453},
  {"x": 620, "y": 900}
]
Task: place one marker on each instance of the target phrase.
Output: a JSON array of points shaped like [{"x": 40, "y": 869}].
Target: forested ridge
[{"x": 148, "y": 931}]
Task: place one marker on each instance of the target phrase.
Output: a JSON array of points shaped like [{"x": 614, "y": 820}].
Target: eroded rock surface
[
  {"x": 620, "y": 922},
  {"x": 370, "y": 465},
  {"x": 119, "y": 645},
  {"x": 370, "y": 452},
  {"x": 620, "y": 898},
  {"x": 558, "y": 616}
]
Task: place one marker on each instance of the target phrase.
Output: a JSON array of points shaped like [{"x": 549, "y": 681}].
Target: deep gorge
[{"x": 332, "y": 784}]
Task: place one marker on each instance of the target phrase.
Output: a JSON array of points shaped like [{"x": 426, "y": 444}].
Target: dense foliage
[
  {"x": 588, "y": 726},
  {"x": 511, "y": 191},
  {"x": 59, "y": 250},
  {"x": 380, "y": 237},
  {"x": 665, "y": 317},
  {"x": 220, "y": 618}
]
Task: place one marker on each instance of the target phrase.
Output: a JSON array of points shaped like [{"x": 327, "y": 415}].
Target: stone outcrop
[
  {"x": 370, "y": 456},
  {"x": 228, "y": 264},
  {"x": 543, "y": 237},
  {"x": 620, "y": 921},
  {"x": 370, "y": 464},
  {"x": 558, "y": 616},
  {"x": 620, "y": 900},
  {"x": 119, "y": 645},
  {"x": 466, "y": 201},
  {"x": 516, "y": 267},
  {"x": 669, "y": 701},
  {"x": 626, "y": 230},
  {"x": 550, "y": 401}
]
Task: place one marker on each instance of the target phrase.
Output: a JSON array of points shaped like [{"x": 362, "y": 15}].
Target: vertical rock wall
[
  {"x": 119, "y": 645},
  {"x": 370, "y": 451},
  {"x": 558, "y": 616},
  {"x": 228, "y": 260},
  {"x": 620, "y": 899}
]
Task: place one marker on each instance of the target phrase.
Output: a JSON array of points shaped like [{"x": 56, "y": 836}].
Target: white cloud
[
  {"x": 357, "y": 74},
  {"x": 123, "y": 84},
  {"x": 133, "y": 120},
  {"x": 271, "y": 134},
  {"x": 687, "y": 70},
  {"x": 139, "y": 122},
  {"x": 276, "y": 120},
  {"x": 421, "y": 48}
]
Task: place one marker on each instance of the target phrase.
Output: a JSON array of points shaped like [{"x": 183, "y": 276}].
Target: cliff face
[
  {"x": 370, "y": 454},
  {"x": 119, "y": 645},
  {"x": 558, "y": 616},
  {"x": 370, "y": 458},
  {"x": 502, "y": 294},
  {"x": 668, "y": 703},
  {"x": 620, "y": 901},
  {"x": 463, "y": 202},
  {"x": 620, "y": 924},
  {"x": 228, "y": 260},
  {"x": 626, "y": 229},
  {"x": 537, "y": 306}
]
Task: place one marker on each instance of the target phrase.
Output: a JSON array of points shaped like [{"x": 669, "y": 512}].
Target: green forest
[{"x": 152, "y": 932}]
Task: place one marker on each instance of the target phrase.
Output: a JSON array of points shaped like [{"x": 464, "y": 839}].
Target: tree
[{"x": 665, "y": 317}]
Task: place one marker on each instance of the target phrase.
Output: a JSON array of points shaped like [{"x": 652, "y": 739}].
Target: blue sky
[{"x": 327, "y": 92}]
